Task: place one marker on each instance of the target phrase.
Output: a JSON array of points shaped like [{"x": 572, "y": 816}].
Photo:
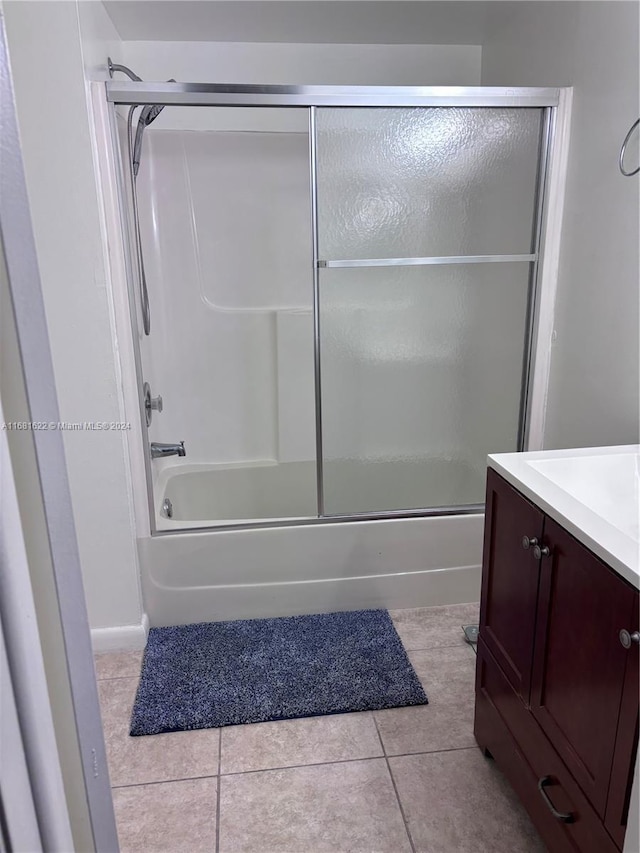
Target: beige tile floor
[{"x": 405, "y": 779}]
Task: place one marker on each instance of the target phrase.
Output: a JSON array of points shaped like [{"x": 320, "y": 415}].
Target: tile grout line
[
  {"x": 291, "y": 767},
  {"x": 164, "y": 781},
  {"x": 100, "y": 679},
  {"x": 395, "y": 788},
  {"x": 344, "y": 760},
  {"x": 458, "y": 645},
  {"x": 219, "y": 786}
]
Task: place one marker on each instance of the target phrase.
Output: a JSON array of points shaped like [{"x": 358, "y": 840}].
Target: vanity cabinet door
[
  {"x": 579, "y": 662},
  {"x": 626, "y": 740},
  {"x": 510, "y": 580}
]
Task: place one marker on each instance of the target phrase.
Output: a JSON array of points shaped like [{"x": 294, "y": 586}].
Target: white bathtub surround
[
  {"x": 120, "y": 638},
  {"x": 594, "y": 492},
  {"x": 210, "y": 495},
  {"x": 315, "y": 568},
  {"x": 225, "y": 309},
  {"x": 295, "y": 404},
  {"x": 226, "y": 232}
]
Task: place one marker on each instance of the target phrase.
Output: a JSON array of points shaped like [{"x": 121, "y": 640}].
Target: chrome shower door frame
[{"x": 129, "y": 93}]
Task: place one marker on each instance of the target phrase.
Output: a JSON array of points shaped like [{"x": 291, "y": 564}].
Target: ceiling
[{"x": 301, "y": 21}]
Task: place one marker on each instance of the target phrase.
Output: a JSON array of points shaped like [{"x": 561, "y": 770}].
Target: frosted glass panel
[
  {"x": 421, "y": 378},
  {"x": 414, "y": 182}
]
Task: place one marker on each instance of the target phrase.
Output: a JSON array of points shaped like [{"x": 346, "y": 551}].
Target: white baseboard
[{"x": 123, "y": 638}]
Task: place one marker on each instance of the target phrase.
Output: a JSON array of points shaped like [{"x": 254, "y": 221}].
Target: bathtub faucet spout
[{"x": 158, "y": 448}]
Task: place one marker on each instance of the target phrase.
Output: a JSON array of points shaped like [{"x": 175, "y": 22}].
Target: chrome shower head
[{"x": 149, "y": 114}]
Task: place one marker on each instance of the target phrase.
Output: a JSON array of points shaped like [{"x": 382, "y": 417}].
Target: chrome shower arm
[
  {"x": 112, "y": 67},
  {"x": 148, "y": 114}
]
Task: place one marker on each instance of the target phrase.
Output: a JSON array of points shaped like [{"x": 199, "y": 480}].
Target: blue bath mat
[{"x": 225, "y": 673}]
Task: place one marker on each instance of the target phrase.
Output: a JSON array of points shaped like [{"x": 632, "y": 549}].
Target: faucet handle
[{"x": 151, "y": 404}]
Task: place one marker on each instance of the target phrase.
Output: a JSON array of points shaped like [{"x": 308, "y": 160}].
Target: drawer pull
[
  {"x": 545, "y": 782},
  {"x": 539, "y": 552},
  {"x": 528, "y": 543},
  {"x": 626, "y": 638}
]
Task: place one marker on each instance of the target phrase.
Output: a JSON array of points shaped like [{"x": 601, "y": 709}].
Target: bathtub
[
  {"x": 193, "y": 572},
  {"x": 214, "y": 495}
]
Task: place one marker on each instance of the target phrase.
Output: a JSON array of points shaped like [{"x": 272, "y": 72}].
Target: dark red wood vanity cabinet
[{"x": 556, "y": 687}]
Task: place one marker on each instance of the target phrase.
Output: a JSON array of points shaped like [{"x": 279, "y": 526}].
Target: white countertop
[{"x": 593, "y": 492}]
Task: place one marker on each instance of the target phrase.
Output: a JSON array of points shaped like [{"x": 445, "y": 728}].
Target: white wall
[
  {"x": 47, "y": 62},
  {"x": 283, "y": 64},
  {"x": 592, "y": 46},
  {"x": 268, "y": 63},
  {"x": 99, "y": 39}
]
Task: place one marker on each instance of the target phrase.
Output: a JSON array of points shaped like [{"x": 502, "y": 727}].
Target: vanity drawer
[
  {"x": 493, "y": 735},
  {"x": 533, "y": 767}
]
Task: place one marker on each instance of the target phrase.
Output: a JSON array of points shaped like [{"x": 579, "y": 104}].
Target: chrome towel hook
[{"x": 624, "y": 148}]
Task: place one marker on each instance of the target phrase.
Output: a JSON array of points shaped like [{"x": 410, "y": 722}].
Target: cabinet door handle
[
  {"x": 626, "y": 638},
  {"x": 528, "y": 543},
  {"x": 545, "y": 782},
  {"x": 539, "y": 552}
]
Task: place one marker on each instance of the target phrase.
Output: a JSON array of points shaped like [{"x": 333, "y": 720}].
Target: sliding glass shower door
[{"x": 426, "y": 221}]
